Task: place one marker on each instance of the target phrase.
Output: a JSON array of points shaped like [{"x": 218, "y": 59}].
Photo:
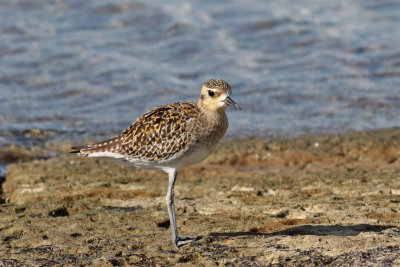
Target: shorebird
[{"x": 170, "y": 137}]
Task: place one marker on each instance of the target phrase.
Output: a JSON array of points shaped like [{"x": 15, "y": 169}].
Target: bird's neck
[
  {"x": 213, "y": 115},
  {"x": 215, "y": 123}
]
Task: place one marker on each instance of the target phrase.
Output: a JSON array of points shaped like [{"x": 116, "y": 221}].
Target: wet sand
[{"x": 312, "y": 200}]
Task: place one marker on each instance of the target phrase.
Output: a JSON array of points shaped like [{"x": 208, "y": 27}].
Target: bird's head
[{"x": 215, "y": 96}]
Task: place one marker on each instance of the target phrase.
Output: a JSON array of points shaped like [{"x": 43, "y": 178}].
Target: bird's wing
[{"x": 160, "y": 133}]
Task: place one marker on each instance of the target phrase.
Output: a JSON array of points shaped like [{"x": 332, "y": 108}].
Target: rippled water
[{"x": 80, "y": 69}]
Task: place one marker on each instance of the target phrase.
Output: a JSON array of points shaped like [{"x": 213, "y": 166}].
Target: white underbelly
[{"x": 194, "y": 156}]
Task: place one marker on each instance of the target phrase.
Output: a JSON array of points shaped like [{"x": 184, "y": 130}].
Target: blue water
[{"x": 83, "y": 69}]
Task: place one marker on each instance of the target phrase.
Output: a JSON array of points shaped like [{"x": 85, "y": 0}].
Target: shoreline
[
  {"x": 14, "y": 152},
  {"x": 314, "y": 199}
]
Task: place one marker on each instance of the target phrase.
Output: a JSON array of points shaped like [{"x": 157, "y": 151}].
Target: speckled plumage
[
  {"x": 162, "y": 135},
  {"x": 170, "y": 137}
]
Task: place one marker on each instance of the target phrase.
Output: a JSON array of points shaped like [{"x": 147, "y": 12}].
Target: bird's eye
[{"x": 211, "y": 93}]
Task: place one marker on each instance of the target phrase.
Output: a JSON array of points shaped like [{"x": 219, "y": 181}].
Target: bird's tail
[{"x": 107, "y": 146}]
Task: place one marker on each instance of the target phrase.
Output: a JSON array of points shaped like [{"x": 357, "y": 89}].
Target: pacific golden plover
[{"x": 170, "y": 137}]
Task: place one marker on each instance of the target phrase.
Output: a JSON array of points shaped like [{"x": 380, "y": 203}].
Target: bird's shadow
[{"x": 317, "y": 230}]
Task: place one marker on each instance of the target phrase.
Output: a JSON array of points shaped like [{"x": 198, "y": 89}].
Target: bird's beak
[{"x": 231, "y": 103}]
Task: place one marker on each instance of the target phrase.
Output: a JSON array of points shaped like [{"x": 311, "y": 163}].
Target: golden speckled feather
[{"x": 161, "y": 133}]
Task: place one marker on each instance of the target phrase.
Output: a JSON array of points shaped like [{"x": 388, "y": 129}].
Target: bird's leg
[{"x": 178, "y": 240}]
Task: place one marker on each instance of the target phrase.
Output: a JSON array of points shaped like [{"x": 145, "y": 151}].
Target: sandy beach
[{"x": 312, "y": 200}]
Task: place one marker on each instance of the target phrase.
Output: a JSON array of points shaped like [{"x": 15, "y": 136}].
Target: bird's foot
[{"x": 181, "y": 240}]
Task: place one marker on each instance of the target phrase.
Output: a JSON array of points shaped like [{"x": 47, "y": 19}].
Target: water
[{"x": 75, "y": 69}]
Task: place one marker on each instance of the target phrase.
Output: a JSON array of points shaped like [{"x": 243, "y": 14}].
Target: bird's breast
[{"x": 196, "y": 154}]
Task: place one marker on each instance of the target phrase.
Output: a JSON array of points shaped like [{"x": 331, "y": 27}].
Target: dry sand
[{"x": 313, "y": 200}]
